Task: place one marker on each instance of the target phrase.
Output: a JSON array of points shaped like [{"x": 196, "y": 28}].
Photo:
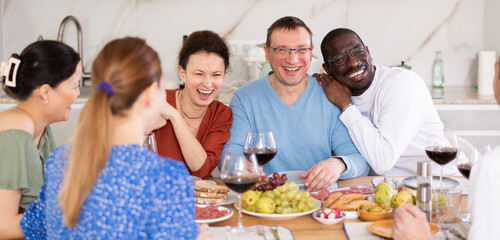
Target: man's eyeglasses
[
  {"x": 341, "y": 58},
  {"x": 299, "y": 51}
]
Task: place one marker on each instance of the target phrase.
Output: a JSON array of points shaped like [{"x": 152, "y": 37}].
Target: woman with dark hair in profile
[
  {"x": 197, "y": 125},
  {"x": 45, "y": 80},
  {"x": 105, "y": 185}
]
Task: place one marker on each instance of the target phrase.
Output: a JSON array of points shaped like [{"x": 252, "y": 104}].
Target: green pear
[
  {"x": 383, "y": 196},
  {"x": 382, "y": 185},
  {"x": 265, "y": 205},
  {"x": 402, "y": 198},
  {"x": 249, "y": 199}
]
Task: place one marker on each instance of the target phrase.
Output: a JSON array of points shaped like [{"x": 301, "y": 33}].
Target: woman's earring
[{"x": 45, "y": 101}]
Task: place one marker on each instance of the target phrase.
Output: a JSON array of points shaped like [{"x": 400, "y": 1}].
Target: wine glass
[
  {"x": 442, "y": 148},
  {"x": 239, "y": 173},
  {"x": 261, "y": 144},
  {"x": 150, "y": 143},
  {"x": 465, "y": 165}
]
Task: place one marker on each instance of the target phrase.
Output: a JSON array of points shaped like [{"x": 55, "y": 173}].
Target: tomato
[{"x": 337, "y": 212}]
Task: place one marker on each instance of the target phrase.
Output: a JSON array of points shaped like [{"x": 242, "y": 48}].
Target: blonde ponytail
[{"x": 89, "y": 154}]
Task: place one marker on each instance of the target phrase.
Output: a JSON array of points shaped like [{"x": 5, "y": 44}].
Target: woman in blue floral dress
[{"x": 105, "y": 185}]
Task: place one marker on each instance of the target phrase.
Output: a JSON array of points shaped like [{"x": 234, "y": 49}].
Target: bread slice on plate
[
  {"x": 203, "y": 200},
  {"x": 210, "y": 194},
  {"x": 208, "y": 186}
]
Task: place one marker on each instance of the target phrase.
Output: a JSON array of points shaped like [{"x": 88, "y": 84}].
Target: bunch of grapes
[
  {"x": 270, "y": 183},
  {"x": 288, "y": 199}
]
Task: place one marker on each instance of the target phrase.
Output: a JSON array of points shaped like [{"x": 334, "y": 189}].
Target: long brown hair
[{"x": 129, "y": 66}]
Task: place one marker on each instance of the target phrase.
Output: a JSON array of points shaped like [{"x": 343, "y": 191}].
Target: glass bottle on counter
[{"x": 438, "y": 71}]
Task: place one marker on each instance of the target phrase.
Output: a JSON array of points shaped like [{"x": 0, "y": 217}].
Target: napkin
[
  {"x": 359, "y": 231},
  {"x": 222, "y": 233}
]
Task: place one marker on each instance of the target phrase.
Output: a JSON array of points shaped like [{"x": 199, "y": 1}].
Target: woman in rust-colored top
[{"x": 197, "y": 126}]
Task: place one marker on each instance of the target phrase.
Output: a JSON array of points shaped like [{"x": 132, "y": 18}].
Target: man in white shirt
[{"x": 387, "y": 111}]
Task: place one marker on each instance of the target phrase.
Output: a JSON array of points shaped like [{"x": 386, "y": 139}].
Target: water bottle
[{"x": 438, "y": 71}]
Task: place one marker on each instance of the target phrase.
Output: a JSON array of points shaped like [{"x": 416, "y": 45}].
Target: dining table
[{"x": 306, "y": 227}]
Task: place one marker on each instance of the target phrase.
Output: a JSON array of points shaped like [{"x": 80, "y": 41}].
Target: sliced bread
[
  {"x": 201, "y": 200},
  {"x": 210, "y": 194},
  {"x": 208, "y": 186}
]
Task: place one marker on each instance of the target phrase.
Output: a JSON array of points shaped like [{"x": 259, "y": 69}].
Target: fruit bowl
[
  {"x": 275, "y": 216},
  {"x": 327, "y": 221},
  {"x": 374, "y": 216}
]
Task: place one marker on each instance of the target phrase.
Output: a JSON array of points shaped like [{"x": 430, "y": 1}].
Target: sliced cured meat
[
  {"x": 209, "y": 212},
  {"x": 321, "y": 195}
]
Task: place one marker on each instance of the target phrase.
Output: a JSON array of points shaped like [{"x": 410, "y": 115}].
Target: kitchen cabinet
[
  {"x": 477, "y": 123},
  {"x": 474, "y": 117}
]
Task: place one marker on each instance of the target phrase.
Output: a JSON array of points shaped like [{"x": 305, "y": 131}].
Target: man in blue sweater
[{"x": 306, "y": 126}]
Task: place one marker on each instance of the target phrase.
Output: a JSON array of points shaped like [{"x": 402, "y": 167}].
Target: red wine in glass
[
  {"x": 464, "y": 169},
  {"x": 241, "y": 184},
  {"x": 441, "y": 155},
  {"x": 239, "y": 173},
  {"x": 264, "y": 155},
  {"x": 262, "y": 144},
  {"x": 442, "y": 148}
]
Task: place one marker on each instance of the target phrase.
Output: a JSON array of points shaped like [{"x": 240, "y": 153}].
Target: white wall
[
  {"x": 491, "y": 26},
  {"x": 394, "y": 30}
]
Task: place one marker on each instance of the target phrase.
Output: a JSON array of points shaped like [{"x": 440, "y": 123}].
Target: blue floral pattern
[{"x": 138, "y": 195}]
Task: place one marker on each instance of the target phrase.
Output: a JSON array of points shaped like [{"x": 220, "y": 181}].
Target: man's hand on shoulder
[
  {"x": 335, "y": 91},
  {"x": 323, "y": 174}
]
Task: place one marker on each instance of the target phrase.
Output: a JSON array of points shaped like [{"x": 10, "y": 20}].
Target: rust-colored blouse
[{"x": 212, "y": 135}]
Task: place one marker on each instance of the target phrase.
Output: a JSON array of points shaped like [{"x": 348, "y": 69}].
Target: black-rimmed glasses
[
  {"x": 341, "y": 58},
  {"x": 285, "y": 51}
]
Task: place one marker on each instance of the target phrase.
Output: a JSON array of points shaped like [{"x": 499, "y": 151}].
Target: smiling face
[
  {"x": 64, "y": 95},
  {"x": 358, "y": 72},
  {"x": 289, "y": 69},
  {"x": 203, "y": 76}
]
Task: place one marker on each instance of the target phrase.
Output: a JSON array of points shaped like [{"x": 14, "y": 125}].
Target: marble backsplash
[{"x": 394, "y": 30}]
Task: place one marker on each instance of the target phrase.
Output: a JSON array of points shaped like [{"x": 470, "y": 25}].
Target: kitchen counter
[
  {"x": 447, "y": 95},
  {"x": 85, "y": 92},
  {"x": 459, "y": 95}
]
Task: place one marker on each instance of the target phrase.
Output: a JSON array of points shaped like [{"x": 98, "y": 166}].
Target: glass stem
[
  {"x": 240, "y": 223},
  {"x": 441, "y": 177}
]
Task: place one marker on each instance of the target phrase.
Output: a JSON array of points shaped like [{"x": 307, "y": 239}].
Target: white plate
[
  {"x": 351, "y": 214},
  {"x": 275, "y": 216},
  {"x": 331, "y": 190},
  {"x": 220, "y": 208},
  {"x": 293, "y": 176},
  {"x": 231, "y": 198},
  {"x": 411, "y": 182},
  {"x": 195, "y": 178}
]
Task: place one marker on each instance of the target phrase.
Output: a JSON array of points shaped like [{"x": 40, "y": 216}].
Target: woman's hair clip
[{"x": 6, "y": 70}]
